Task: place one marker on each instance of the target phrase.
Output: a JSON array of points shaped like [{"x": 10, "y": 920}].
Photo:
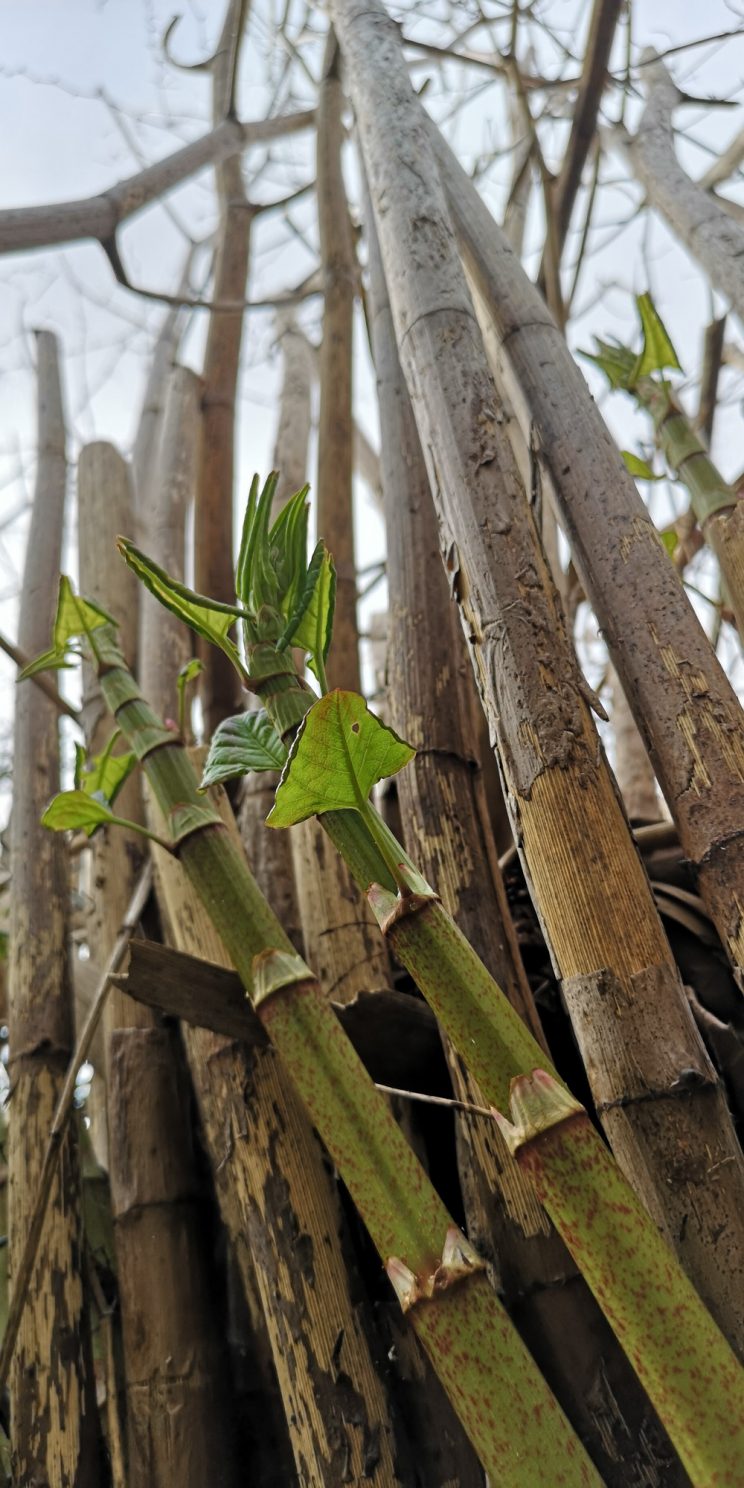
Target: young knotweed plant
[
  {"x": 503, "y": 1401},
  {"x": 716, "y": 505},
  {"x": 333, "y": 751}
]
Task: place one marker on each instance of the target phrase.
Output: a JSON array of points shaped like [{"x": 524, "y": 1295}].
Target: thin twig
[
  {"x": 712, "y": 357},
  {"x": 437, "y": 1100},
  {"x": 114, "y": 1436},
  {"x": 59, "y": 1124},
  {"x": 40, "y": 678}
]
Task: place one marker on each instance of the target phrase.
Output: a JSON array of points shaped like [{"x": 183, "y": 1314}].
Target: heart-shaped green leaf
[
  {"x": 210, "y": 618},
  {"x": 75, "y": 810},
  {"x": 246, "y": 742},
  {"x": 72, "y": 810},
  {"x": 658, "y": 352},
  {"x": 340, "y": 752}
]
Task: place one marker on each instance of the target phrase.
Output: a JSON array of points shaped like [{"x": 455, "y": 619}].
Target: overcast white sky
[{"x": 86, "y": 89}]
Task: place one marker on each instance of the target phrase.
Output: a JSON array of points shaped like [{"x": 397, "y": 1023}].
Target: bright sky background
[{"x": 87, "y": 96}]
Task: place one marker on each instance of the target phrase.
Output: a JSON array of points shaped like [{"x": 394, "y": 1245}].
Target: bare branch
[
  {"x": 605, "y": 16},
  {"x": 712, "y": 356},
  {"x": 40, "y": 678},
  {"x": 100, "y": 216},
  {"x": 700, "y": 221}
]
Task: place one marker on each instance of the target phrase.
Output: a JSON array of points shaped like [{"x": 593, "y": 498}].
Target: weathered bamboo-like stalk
[
  {"x": 178, "y": 1402},
  {"x": 515, "y": 212},
  {"x": 339, "y": 934},
  {"x": 335, "y": 427},
  {"x": 105, "y": 509},
  {"x": 147, "y": 439},
  {"x": 694, "y": 215},
  {"x": 448, "y": 836},
  {"x": 633, "y": 771},
  {"x": 718, "y": 507},
  {"x": 475, "y": 1352},
  {"x": 165, "y": 648},
  {"x": 178, "y": 1405},
  {"x": 595, "y": 904},
  {"x": 54, "y": 1425},
  {"x": 213, "y": 526},
  {"x": 295, "y": 409},
  {"x": 683, "y": 704}
]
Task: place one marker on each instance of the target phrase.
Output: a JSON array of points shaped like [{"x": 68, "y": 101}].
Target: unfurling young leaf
[
  {"x": 246, "y": 742},
  {"x": 256, "y": 581},
  {"x": 616, "y": 362},
  {"x": 311, "y": 626},
  {"x": 340, "y": 752},
  {"x": 186, "y": 674},
  {"x": 75, "y": 617},
  {"x": 657, "y": 352},
  {"x": 74, "y": 810},
  {"x": 208, "y": 617},
  {"x": 288, "y": 549}
]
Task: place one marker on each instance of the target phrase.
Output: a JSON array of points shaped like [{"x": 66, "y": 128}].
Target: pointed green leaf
[
  {"x": 75, "y": 617},
  {"x": 670, "y": 539},
  {"x": 288, "y": 548},
  {"x": 311, "y": 627},
  {"x": 638, "y": 467},
  {"x": 255, "y": 580},
  {"x": 340, "y": 752},
  {"x": 51, "y": 660},
  {"x": 657, "y": 352},
  {"x": 246, "y": 742},
  {"x": 241, "y": 581},
  {"x": 210, "y": 618}
]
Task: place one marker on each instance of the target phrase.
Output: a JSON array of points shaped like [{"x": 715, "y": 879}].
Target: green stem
[
  {"x": 121, "y": 821},
  {"x": 321, "y": 672},
  {"x": 684, "y": 452},
  {"x": 503, "y": 1401},
  {"x": 673, "y": 1344}
]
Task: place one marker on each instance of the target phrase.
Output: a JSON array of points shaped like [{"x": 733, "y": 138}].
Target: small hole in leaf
[{"x": 355, "y": 728}]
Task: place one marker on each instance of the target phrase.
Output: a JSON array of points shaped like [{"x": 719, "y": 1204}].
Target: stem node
[{"x": 537, "y": 1103}]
